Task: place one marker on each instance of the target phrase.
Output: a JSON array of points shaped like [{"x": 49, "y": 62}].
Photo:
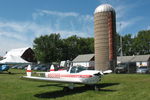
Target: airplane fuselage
[
  {"x": 74, "y": 75},
  {"x": 86, "y": 77}
]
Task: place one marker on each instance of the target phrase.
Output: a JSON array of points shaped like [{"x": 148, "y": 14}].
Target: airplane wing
[{"x": 51, "y": 79}]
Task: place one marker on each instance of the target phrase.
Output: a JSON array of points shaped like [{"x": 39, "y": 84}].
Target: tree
[
  {"x": 50, "y": 48},
  {"x": 71, "y": 45},
  {"x": 127, "y": 45},
  {"x": 141, "y": 43},
  {"x": 86, "y": 45},
  {"x": 47, "y": 48},
  {"x": 74, "y": 45}
]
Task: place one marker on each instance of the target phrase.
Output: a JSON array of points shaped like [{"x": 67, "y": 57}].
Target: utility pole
[{"x": 121, "y": 51}]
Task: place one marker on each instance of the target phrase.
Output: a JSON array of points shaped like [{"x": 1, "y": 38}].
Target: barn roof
[
  {"x": 85, "y": 57},
  {"x": 14, "y": 56},
  {"x": 16, "y": 52},
  {"x": 136, "y": 58}
]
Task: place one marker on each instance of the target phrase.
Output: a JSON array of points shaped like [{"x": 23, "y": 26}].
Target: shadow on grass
[
  {"x": 9, "y": 73},
  {"x": 76, "y": 90},
  {"x": 54, "y": 84}
]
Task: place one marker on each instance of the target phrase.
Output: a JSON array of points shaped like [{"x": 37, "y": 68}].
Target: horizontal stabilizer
[{"x": 107, "y": 72}]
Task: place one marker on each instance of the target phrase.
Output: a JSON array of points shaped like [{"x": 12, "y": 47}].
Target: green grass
[{"x": 112, "y": 87}]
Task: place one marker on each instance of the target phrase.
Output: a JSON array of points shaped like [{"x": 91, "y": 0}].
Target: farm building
[
  {"x": 86, "y": 60},
  {"x": 140, "y": 60},
  {"x": 20, "y": 55}
]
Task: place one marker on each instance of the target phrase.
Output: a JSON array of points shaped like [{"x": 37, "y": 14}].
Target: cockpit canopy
[{"x": 77, "y": 69}]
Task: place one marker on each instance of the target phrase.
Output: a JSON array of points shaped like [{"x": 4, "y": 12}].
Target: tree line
[
  {"x": 52, "y": 48},
  {"x": 137, "y": 45}
]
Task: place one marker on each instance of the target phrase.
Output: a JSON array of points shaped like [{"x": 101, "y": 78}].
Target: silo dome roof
[{"x": 104, "y": 8}]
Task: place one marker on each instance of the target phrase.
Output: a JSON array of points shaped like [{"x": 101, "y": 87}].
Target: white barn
[
  {"x": 86, "y": 60},
  {"x": 140, "y": 60}
]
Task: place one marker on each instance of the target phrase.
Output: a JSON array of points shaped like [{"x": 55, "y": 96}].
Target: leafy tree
[
  {"x": 51, "y": 48},
  {"x": 141, "y": 43},
  {"x": 127, "y": 43},
  {"x": 72, "y": 47},
  {"x": 47, "y": 48},
  {"x": 86, "y": 45}
]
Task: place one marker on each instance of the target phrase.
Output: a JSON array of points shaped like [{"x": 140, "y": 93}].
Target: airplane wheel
[
  {"x": 88, "y": 86},
  {"x": 66, "y": 89},
  {"x": 96, "y": 88}
]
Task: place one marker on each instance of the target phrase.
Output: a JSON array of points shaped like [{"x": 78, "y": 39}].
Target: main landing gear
[
  {"x": 9, "y": 72},
  {"x": 70, "y": 87},
  {"x": 96, "y": 87},
  {"x": 93, "y": 87}
]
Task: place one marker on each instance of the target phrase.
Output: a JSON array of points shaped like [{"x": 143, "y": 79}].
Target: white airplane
[{"x": 75, "y": 74}]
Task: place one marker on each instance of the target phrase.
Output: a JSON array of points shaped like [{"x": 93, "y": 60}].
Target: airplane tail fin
[
  {"x": 29, "y": 72},
  {"x": 52, "y": 68}
]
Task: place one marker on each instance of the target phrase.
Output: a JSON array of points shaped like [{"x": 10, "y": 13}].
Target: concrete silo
[{"x": 105, "y": 30}]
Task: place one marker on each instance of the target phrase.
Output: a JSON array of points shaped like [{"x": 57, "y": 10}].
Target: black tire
[
  {"x": 96, "y": 88},
  {"x": 117, "y": 71},
  {"x": 66, "y": 89}
]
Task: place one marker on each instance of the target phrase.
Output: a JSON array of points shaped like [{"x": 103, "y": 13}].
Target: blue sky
[{"x": 23, "y": 20}]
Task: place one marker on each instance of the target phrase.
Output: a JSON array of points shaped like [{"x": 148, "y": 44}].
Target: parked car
[
  {"x": 126, "y": 68},
  {"x": 143, "y": 70},
  {"x": 45, "y": 67},
  {"x": 22, "y": 66},
  {"x": 15, "y": 66},
  {"x": 121, "y": 68},
  {"x": 38, "y": 67},
  {"x": 33, "y": 66}
]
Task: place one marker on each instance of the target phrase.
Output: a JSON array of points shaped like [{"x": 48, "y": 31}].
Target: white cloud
[
  {"x": 41, "y": 13},
  {"x": 66, "y": 21},
  {"x": 21, "y": 30},
  {"x": 56, "y": 13},
  {"x": 14, "y": 34},
  {"x": 8, "y": 44},
  {"x": 148, "y": 28},
  {"x": 124, "y": 24}
]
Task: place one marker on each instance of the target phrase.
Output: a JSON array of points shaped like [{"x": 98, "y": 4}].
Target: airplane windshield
[{"x": 77, "y": 69}]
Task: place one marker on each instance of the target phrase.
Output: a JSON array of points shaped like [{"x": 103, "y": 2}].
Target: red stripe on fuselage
[
  {"x": 69, "y": 76},
  {"x": 60, "y": 69},
  {"x": 77, "y": 76},
  {"x": 51, "y": 70},
  {"x": 28, "y": 71}
]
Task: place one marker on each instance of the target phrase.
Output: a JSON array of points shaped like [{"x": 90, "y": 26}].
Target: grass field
[{"x": 112, "y": 87}]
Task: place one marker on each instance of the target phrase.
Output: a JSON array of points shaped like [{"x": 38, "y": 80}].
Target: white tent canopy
[
  {"x": 14, "y": 56},
  {"x": 16, "y": 52}
]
